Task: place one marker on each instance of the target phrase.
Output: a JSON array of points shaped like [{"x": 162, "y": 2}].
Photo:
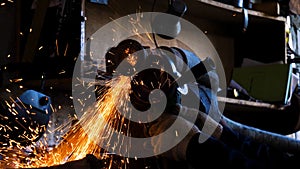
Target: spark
[
  {"x": 66, "y": 49},
  {"x": 17, "y": 80},
  {"x": 235, "y": 92},
  {"x": 85, "y": 134},
  {"x": 62, "y": 72},
  {"x": 57, "y": 48}
]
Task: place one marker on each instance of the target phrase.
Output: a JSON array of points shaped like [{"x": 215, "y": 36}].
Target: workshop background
[{"x": 41, "y": 40}]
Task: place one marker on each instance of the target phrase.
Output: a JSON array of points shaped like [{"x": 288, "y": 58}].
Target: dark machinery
[{"x": 25, "y": 120}]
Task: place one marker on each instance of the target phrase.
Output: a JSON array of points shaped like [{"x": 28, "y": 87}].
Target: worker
[{"x": 224, "y": 147}]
